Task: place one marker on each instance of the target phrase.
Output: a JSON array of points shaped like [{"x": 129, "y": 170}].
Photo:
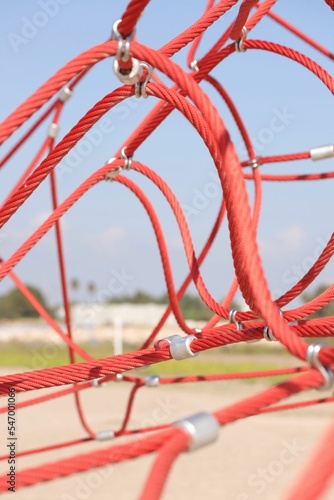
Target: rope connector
[
  {"x": 127, "y": 159},
  {"x": 232, "y": 319},
  {"x": 193, "y": 65},
  {"x": 179, "y": 346},
  {"x": 129, "y": 76},
  {"x": 123, "y": 51},
  {"x": 239, "y": 44},
  {"x": 140, "y": 87},
  {"x": 202, "y": 427},
  {"x": 152, "y": 381},
  {"x": 312, "y": 357},
  {"x": 268, "y": 333},
  {"x": 95, "y": 382},
  {"x": 65, "y": 94},
  {"x": 322, "y": 152},
  {"x": 254, "y": 163},
  {"x": 115, "y": 34},
  {"x": 112, "y": 174},
  {"x": 105, "y": 435},
  {"x": 53, "y": 130},
  {"x": 126, "y": 165}
]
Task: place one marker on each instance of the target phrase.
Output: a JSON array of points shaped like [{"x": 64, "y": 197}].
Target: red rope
[
  {"x": 156, "y": 480},
  {"x": 317, "y": 474},
  {"x": 187, "y": 97}
]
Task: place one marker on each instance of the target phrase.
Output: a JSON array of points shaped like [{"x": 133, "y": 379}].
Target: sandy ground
[{"x": 256, "y": 458}]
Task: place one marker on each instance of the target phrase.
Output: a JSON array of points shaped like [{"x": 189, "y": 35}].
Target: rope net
[{"x": 138, "y": 68}]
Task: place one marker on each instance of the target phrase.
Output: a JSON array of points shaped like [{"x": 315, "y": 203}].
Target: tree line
[{"x": 14, "y": 305}]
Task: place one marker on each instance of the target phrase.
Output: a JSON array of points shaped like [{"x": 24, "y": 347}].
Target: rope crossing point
[{"x": 136, "y": 67}]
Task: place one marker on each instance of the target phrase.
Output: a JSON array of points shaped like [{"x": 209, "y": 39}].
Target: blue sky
[{"x": 108, "y": 233}]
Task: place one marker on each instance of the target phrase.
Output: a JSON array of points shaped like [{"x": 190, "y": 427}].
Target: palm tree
[
  {"x": 91, "y": 287},
  {"x": 74, "y": 284}
]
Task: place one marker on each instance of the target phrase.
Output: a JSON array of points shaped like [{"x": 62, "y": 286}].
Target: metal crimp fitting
[
  {"x": 268, "y": 333},
  {"x": 322, "y": 152},
  {"x": 239, "y": 44},
  {"x": 232, "y": 319},
  {"x": 53, "y": 130},
  {"x": 152, "y": 381},
  {"x": 179, "y": 346},
  {"x": 193, "y": 65},
  {"x": 105, "y": 435},
  {"x": 202, "y": 427},
  {"x": 95, "y": 382},
  {"x": 65, "y": 94},
  {"x": 312, "y": 357}
]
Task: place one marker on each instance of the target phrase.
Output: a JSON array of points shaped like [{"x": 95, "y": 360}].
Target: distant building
[{"x": 96, "y": 315}]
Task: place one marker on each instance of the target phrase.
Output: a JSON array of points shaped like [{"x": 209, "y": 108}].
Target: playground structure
[{"x": 137, "y": 67}]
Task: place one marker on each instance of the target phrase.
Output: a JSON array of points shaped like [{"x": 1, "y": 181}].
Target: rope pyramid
[{"x": 136, "y": 67}]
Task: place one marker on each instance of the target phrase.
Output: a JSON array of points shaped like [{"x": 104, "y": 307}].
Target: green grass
[
  {"x": 205, "y": 367},
  {"x": 43, "y": 355}
]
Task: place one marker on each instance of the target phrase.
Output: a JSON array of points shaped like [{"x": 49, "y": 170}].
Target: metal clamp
[
  {"x": 254, "y": 163},
  {"x": 65, "y": 94},
  {"x": 127, "y": 159},
  {"x": 179, "y": 346},
  {"x": 268, "y": 333},
  {"x": 193, "y": 65},
  {"x": 129, "y": 76},
  {"x": 123, "y": 51},
  {"x": 113, "y": 173},
  {"x": 322, "y": 152},
  {"x": 123, "y": 54},
  {"x": 115, "y": 34},
  {"x": 126, "y": 166},
  {"x": 239, "y": 44},
  {"x": 53, "y": 130},
  {"x": 105, "y": 435},
  {"x": 140, "y": 87},
  {"x": 95, "y": 382},
  {"x": 202, "y": 428},
  {"x": 152, "y": 381},
  {"x": 312, "y": 357},
  {"x": 231, "y": 318}
]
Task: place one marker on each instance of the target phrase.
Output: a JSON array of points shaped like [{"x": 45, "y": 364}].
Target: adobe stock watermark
[
  {"x": 118, "y": 282},
  {"x": 84, "y": 488},
  {"x": 201, "y": 197},
  {"x": 30, "y": 27},
  {"x": 263, "y": 477},
  {"x": 165, "y": 408},
  {"x": 94, "y": 138},
  {"x": 295, "y": 272},
  {"x": 278, "y": 122}
]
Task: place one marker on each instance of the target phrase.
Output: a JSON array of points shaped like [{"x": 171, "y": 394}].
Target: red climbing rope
[{"x": 187, "y": 94}]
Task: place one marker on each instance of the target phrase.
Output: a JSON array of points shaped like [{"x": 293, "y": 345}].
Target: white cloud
[
  {"x": 113, "y": 235},
  {"x": 288, "y": 240},
  {"x": 108, "y": 243},
  {"x": 175, "y": 243}
]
